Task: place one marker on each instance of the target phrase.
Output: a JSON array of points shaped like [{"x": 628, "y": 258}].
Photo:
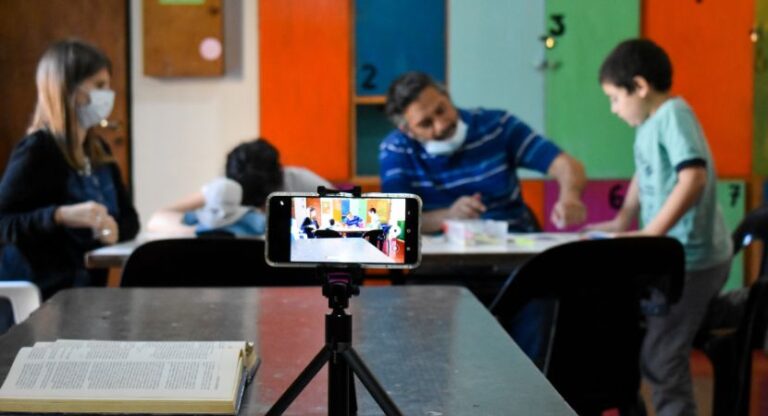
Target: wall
[{"x": 184, "y": 127}]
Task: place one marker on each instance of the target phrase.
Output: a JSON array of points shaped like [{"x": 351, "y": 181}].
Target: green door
[
  {"x": 731, "y": 196},
  {"x": 577, "y": 114}
]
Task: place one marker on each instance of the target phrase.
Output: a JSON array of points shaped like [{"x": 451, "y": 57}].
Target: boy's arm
[
  {"x": 623, "y": 219},
  {"x": 170, "y": 219},
  {"x": 690, "y": 185},
  {"x": 631, "y": 206}
]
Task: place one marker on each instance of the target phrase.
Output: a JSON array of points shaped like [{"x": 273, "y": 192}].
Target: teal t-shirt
[{"x": 668, "y": 141}]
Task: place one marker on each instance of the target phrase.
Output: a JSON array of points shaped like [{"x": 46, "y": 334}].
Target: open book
[{"x": 72, "y": 376}]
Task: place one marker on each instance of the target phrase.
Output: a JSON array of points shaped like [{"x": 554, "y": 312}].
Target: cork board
[{"x": 183, "y": 38}]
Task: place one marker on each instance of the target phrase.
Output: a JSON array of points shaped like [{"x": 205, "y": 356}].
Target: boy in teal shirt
[{"x": 673, "y": 190}]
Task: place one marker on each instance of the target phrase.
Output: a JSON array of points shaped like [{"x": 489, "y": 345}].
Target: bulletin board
[{"x": 183, "y": 38}]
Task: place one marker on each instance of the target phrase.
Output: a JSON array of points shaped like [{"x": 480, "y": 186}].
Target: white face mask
[
  {"x": 98, "y": 109},
  {"x": 449, "y": 145}
]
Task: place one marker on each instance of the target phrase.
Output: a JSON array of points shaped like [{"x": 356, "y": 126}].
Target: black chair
[
  {"x": 729, "y": 349},
  {"x": 754, "y": 226},
  {"x": 327, "y": 234},
  {"x": 736, "y": 325},
  {"x": 598, "y": 286},
  {"x": 215, "y": 234},
  {"x": 201, "y": 262},
  {"x": 375, "y": 237}
]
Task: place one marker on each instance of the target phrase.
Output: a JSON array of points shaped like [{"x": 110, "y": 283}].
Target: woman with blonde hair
[{"x": 61, "y": 194}]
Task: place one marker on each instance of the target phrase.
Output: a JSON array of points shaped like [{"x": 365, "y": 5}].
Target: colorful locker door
[
  {"x": 305, "y": 87},
  {"x": 498, "y": 64},
  {"x": 395, "y": 36},
  {"x": 577, "y": 114},
  {"x": 391, "y": 37},
  {"x": 731, "y": 196},
  {"x": 712, "y": 57}
]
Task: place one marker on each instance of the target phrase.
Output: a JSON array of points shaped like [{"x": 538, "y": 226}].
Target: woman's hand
[
  {"x": 89, "y": 215},
  {"x": 83, "y": 215},
  {"x": 107, "y": 231}
]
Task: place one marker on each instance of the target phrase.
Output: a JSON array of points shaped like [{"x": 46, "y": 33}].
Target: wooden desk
[
  {"x": 435, "y": 349},
  {"x": 436, "y": 251}
]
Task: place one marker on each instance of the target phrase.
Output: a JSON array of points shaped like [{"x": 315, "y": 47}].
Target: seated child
[
  {"x": 255, "y": 165},
  {"x": 222, "y": 211}
]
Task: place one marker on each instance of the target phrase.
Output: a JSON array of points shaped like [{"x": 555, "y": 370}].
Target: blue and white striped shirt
[{"x": 497, "y": 144}]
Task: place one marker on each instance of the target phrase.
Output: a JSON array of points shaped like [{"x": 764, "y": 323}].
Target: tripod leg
[
  {"x": 340, "y": 399},
  {"x": 371, "y": 384},
  {"x": 352, "y": 392},
  {"x": 301, "y": 382}
]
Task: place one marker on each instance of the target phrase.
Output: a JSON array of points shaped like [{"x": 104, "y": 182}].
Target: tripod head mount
[{"x": 339, "y": 285}]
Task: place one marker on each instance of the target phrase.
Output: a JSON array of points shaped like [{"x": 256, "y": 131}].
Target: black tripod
[{"x": 342, "y": 359}]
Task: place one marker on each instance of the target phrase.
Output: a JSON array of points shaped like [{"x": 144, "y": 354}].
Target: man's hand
[
  {"x": 567, "y": 212},
  {"x": 467, "y": 207}
]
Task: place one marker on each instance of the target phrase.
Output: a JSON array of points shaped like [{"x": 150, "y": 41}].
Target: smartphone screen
[{"x": 375, "y": 230}]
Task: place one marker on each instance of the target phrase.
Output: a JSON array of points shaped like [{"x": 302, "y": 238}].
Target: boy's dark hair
[
  {"x": 637, "y": 57},
  {"x": 372, "y": 210},
  {"x": 404, "y": 90},
  {"x": 255, "y": 165}
]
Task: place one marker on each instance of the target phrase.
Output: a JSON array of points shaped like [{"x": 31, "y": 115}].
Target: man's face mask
[{"x": 448, "y": 145}]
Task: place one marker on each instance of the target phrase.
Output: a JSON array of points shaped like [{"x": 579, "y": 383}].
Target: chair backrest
[
  {"x": 594, "y": 346},
  {"x": 24, "y": 298},
  {"x": 200, "y": 262},
  {"x": 375, "y": 237},
  {"x": 327, "y": 234},
  {"x": 754, "y": 226},
  {"x": 750, "y": 335}
]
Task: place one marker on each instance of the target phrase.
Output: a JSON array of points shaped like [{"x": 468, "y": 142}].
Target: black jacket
[{"x": 33, "y": 186}]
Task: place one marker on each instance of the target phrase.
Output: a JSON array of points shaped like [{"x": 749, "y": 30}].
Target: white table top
[
  {"x": 525, "y": 243},
  {"x": 353, "y": 229},
  {"x": 337, "y": 250},
  {"x": 434, "y": 249}
]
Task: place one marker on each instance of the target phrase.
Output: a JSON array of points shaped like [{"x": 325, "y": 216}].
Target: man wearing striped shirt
[{"x": 463, "y": 163}]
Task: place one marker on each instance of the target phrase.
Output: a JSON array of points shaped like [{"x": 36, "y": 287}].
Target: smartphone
[{"x": 374, "y": 230}]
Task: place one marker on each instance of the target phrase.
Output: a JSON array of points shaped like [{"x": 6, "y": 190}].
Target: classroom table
[
  {"x": 436, "y": 250},
  {"x": 439, "y": 251},
  {"x": 337, "y": 250},
  {"x": 352, "y": 231},
  {"x": 435, "y": 349}
]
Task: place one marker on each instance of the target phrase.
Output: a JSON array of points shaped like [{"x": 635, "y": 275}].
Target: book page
[{"x": 74, "y": 369}]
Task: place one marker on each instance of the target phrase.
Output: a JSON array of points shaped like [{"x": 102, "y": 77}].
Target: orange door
[
  {"x": 712, "y": 57},
  {"x": 306, "y": 81}
]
